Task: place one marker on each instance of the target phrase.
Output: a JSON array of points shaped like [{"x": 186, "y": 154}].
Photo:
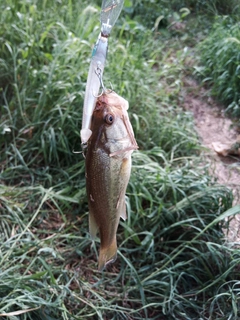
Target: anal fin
[
  {"x": 93, "y": 228},
  {"x": 122, "y": 208}
]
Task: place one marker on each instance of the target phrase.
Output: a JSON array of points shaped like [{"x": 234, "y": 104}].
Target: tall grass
[
  {"x": 172, "y": 261},
  {"x": 213, "y": 7},
  {"x": 220, "y": 63},
  {"x": 163, "y": 12}
]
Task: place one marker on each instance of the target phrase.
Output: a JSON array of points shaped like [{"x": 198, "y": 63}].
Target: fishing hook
[{"x": 99, "y": 74}]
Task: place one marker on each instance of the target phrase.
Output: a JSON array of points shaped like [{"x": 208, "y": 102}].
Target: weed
[
  {"x": 221, "y": 63},
  {"x": 172, "y": 259}
]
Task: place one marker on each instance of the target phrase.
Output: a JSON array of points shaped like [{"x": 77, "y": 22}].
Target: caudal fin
[{"x": 107, "y": 255}]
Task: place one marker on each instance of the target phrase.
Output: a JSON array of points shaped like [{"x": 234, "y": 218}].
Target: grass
[
  {"x": 173, "y": 261},
  {"x": 220, "y": 63}
]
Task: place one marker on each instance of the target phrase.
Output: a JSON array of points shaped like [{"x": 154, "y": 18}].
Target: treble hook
[{"x": 99, "y": 73}]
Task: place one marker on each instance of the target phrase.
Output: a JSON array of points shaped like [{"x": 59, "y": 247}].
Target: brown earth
[{"x": 214, "y": 128}]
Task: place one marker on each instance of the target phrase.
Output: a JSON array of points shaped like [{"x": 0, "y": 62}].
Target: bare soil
[{"x": 214, "y": 127}]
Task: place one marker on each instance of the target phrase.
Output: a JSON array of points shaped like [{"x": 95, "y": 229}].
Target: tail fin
[{"x": 107, "y": 255}]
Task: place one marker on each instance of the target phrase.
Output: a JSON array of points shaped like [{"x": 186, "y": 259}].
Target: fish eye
[{"x": 109, "y": 118}]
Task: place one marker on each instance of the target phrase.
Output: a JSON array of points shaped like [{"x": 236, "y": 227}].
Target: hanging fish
[{"x": 108, "y": 167}]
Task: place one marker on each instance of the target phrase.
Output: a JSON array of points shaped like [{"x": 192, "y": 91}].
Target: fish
[{"x": 108, "y": 169}]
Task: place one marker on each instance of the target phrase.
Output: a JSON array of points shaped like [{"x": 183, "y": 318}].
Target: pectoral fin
[
  {"x": 123, "y": 213},
  {"x": 125, "y": 175},
  {"x": 121, "y": 206}
]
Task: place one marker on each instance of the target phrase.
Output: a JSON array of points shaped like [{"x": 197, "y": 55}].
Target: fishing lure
[{"x": 109, "y": 15}]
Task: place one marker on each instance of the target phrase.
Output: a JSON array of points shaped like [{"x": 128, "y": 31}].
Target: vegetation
[
  {"x": 221, "y": 62},
  {"x": 148, "y": 12},
  {"x": 172, "y": 260}
]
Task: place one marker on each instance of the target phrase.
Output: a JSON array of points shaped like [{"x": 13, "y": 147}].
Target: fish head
[{"x": 111, "y": 126}]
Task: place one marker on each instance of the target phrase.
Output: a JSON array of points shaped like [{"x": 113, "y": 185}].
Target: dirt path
[{"x": 213, "y": 127}]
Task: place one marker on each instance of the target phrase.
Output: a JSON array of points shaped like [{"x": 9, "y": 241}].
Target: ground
[{"x": 213, "y": 126}]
